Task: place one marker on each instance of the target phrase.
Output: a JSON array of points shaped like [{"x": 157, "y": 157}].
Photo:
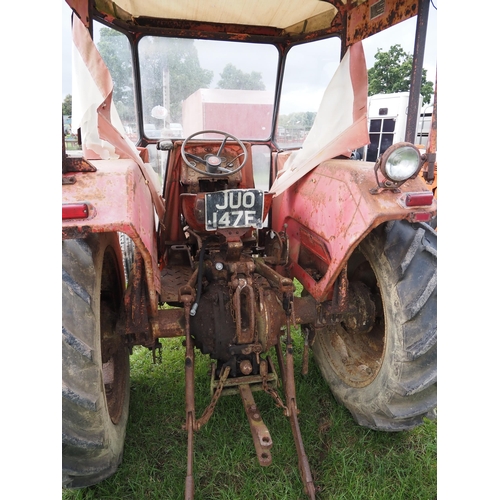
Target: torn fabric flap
[
  {"x": 93, "y": 111},
  {"x": 340, "y": 126}
]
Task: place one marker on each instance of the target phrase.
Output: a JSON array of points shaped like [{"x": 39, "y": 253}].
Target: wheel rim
[
  {"x": 114, "y": 355},
  {"x": 357, "y": 357}
]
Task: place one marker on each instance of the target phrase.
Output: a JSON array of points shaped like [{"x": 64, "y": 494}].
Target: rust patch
[
  {"x": 134, "y": 319},
  {"x": 372, "y": 17},
  {"x": 73, "y": 164},
  {"x": 72, "y": 233}
]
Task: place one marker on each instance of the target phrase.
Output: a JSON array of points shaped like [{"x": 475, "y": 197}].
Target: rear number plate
[{"x": 234, "y": 208}]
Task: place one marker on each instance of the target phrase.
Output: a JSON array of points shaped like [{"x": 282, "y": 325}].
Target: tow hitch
[{"x": 266, "y": 380}]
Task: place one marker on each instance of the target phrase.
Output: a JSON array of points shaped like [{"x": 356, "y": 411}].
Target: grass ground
[{"x": 347, "y": 461}]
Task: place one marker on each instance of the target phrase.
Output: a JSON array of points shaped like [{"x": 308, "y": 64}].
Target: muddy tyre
[
  {"x": 95, "y": 361},
  {"x": 387, "y": 376}
]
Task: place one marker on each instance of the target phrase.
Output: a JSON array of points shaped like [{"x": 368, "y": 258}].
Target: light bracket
[{"x": 384, "y": 181}]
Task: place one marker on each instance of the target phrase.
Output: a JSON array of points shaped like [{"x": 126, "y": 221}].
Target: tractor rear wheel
[
  {"x": 387, "y": 376},
  {"x": 95, "y": 360}
]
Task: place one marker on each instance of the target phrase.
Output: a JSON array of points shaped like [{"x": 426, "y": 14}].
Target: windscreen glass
[
  {"x": 309, "y": 68},
  {"x": 192, "y": 85},
  {"x": 114, "y": 48}
]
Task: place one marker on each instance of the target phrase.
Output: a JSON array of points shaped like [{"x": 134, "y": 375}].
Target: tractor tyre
[
  {"x": 95, "y": 360},
  {"x": 387, "y": 376}
]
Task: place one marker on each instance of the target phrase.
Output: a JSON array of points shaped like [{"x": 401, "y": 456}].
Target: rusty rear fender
[
  {"x": 119, "y": 200},
  {"x": 329, "y": 211}
]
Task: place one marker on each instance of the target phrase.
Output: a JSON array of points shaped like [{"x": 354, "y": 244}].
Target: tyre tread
[
  {"x": 417, "y": 375},
  {"x": 70, "y": 437},
  {"x": 419, "y": 404},
  {"x": 421, "y": 298},
  {"x": 79, "y": 398},
  {"x": 76, "y": 287},
  {"x": 77, "y": 344},
  {"x": 406, "y": 392},
  {"x": 415, "y": 245},
  {"x": 92, "y": 445},
  {"x": 420, "y": 344}
]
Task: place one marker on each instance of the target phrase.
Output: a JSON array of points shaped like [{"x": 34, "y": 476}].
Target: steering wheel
[{"x": 213, "y": 163}]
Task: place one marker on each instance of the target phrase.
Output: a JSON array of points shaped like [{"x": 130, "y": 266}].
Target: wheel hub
[{"x": 362, "y": 310}]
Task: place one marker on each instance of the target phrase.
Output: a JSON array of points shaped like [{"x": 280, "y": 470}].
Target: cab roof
[{"x": 266, "y": 20}]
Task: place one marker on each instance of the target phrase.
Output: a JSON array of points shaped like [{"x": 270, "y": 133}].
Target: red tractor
[{"x": 160, "y": 208}]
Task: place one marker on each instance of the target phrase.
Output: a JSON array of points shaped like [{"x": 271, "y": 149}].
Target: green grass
[{"x": 347, "y": 461}]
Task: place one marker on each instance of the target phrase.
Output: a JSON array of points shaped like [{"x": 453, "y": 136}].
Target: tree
[
  {"x": 392, "y": 72},
  {"x": 234, "y": 78},
  {"x": 175, "y": 58},
  {"x": 115, "y": 51},
  {"x": 66, "y": 105},
  {"x": 300, "y": 120}
]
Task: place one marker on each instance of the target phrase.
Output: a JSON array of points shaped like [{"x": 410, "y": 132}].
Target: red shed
[{"x": 245, "y": 113}]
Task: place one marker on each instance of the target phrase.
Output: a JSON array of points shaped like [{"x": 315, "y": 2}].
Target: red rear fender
[
  {"x": 120, "y": 201},
  {"x": 329, "y": 211}
]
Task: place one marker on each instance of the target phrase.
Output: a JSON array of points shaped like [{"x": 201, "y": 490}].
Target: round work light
[{"x": 400, "y": 162}]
